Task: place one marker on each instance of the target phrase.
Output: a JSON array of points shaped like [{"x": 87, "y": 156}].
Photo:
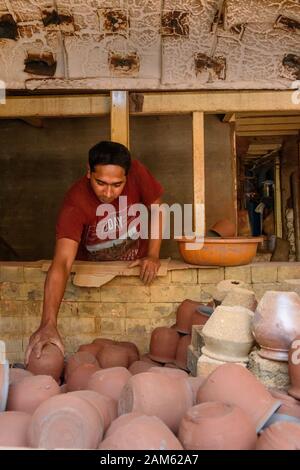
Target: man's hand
[
  {"x": 149, "y": 268},
  {"x": 44, "y": 335}
]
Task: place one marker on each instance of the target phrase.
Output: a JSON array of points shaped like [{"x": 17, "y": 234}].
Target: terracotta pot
[
  {"x": 195, "y": 383},
  {"x": 146, "y": 358},
  {"x": 184, "y": 315},
  {"x": 280, "y": 436},
  {"x": 227, "y": 334},
  {"x": 109, "y": 382},
  {"x": 139, "y": 366},
  {"x": 224, "y": 228},
  {"x": 13, "y": 428},
  {"x": 51, "y": 362},
  {"x": 133, "y": 352},
  {"x": 103, "y": 341},
  {"x": 217, "y": 426},
  {"x": 289, "y": 405},
  {"x": 276, "y": 323},
  {"x": 28, "y": 394},
  {"x": 93, "y": 348},
  {"x": 170, "y": 372},
  {"x": 201, "y": 315},
  {"x": 63, "y": 388},
  {"x": 65, "y": 422},
  {"x": 101, "y": 403},
  {"x": 294, "y": 367},
  {"x": 80, "y": 377},
  {"x": 77, "y": 359},
  {"x": 220, "y": 251},
  {"x": 163, "y": 344},
  {"x": 154, "y": 394},
  {"x": 16, "y": 375},
  {"x": 142, "y": 433},
  {"x": 121, "y": 421},
  {"x": 181, "y": 352},
  {"x": 250, "y": 394},
  {"x": 112, "y": 355}
]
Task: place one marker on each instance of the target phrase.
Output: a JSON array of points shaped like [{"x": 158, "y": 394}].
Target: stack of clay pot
[{"x": 227, "y": 335}]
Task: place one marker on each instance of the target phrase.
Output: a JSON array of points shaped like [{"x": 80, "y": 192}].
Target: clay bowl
[
  {"x": 163, "y": 344},
  {"x": 13, "y": 428},
  {"x": 219, "y": 251},
  {"x": 51, "y": 362},
  {"x": 109, "y": 382}
]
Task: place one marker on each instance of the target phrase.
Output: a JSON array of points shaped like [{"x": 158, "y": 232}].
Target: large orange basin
[{"x": 220, "y": 251}]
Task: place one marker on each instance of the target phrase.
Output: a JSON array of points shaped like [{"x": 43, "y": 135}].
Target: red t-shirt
[{"x": 78, "y": 219}]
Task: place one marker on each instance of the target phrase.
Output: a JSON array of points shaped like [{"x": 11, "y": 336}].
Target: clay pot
[
  {"x": 201, "y": 315},
  {"x": 163, "y": 344},
  {"x": 142, "y": 433},
  {"x": 217, "y": 426},
  {"x": 109, "y": 382},
  {"x": 240, "y": 297},
  {"x": 102, "y": 405},
  {"x": 276, "y": 323},
  {"x": 154, "y": 394},
  {"x": 13, "y": 428},
  {"x": 227, "y": 334},
  {"x": 90, "y": 348},
  {"x": 121, "y": 421},
  {"x": 289, "y": 405},
  {"x": 63, "y": 388},
  {"x": 224, "y": 228},
  {"x": 184, "y": 315},
  {"x": 112, "y": 355},
  {"x": 77, "y": 359},
  {"x": 249, "y": 394},
  {"x": 226, "y": 286},
  {"x": 103, "y": 341},
  {"x": 219, "y": 251},
  {"x": 51, "y": 362},
  {"x": 30, "y": 392},
  {"x": 170, "y": 372},
  {"x": 146, "y": 358},
  {"x": 294, "y": 368},
  {"x": 138, "y": 367},
  {"x": 16, "y": 375},
  {"x": 181, "y": 353},
  {"x": 65, "y": 422},
  {"x": 133, "y": 352},
  {"x": 79, "y": 378},
  {"x": 280, "y": 436},
  {"x": 195, "y": 383}
]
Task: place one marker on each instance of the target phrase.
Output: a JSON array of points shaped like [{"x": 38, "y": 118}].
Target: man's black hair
[{"x": 109, "y": 153}]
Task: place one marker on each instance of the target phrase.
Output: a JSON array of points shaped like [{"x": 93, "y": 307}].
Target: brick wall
[{"x": 124, "y": 309}]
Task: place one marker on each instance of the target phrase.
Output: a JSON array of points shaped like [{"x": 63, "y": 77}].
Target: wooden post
[
  {"x": 120, "y": 117},
  {"x": 278, "y": 213},
  {"x": 234, "y": 175},
  {"x": 199, "y": 173}
]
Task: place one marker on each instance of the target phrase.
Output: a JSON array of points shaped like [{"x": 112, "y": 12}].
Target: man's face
[{"x": 107, "y": 182}]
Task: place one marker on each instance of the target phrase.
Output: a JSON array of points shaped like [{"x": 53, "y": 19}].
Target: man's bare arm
[{"x": 55, "y": 284}]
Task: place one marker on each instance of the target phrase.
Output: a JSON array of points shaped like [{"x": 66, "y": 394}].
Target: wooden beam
[
  {"x": 262, "y": 133},
  {"x": 268, "y": 120},
  {"x": 268, "y": 127},
  {"x": 120, "y": 117},
  {"x": 199, "y": 174},
  {"x": 278, "y": 208},
  {"x": 55, "y": 106},
  {"x": 234, "y": 174},
  {"x": 34, "y": 122},
  {"x": 229, "y": 117}
]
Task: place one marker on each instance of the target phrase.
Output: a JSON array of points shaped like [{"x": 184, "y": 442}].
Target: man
[{"x": 91, "y": 225}]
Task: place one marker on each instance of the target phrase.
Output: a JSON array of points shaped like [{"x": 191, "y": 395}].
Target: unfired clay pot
[
  {"x": 170, "y": 372},
  {"x": 100, "y": 402},
  {"x": 77, "y": 359},
  {"x": 121, "y": 421},
  {"x": 163, "y": 344},
  {"x": 51, "y": 362},
  {"x": 294, "y": 367},
  {"x": 195, "y": 383},
  {"x": 217, "y": 426},
  {"x": 28, "y": 394},
  {"x": 139, "y": 366},
  {"x": 280, "y": 436},
  {"x": 146, "y": 358},
  {"x": 155, "y": 395},
  {"x": 224, "y": 287},
  {"x": 181, "y": 352},
  {"x": 93, "y": 348},
  {"x": 240, "y": 297},
  {"x": 80, "y": 377},
  {"x": 13, "y": 428},
  {"x": 133, "y": 352},
  {"x": 224, "y": 228},
  {"x": 16, "y": 375},
  {"x": 276, "y": 323},
  {"x": 235, "y": 385},
  {"x": 109, "y": 382},
  {"x": 65, "y": 422},
  {"x": 112, "y": 355},
  {"x": 184, "y": 315},
  {"x": 142, "y": 433}
]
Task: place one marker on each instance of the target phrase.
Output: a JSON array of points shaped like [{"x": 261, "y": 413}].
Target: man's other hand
[
  {"x": 44, "y": 335},
  {"x": 149, "y": 268}
]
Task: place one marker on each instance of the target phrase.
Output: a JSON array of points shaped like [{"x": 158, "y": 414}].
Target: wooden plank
[
  {"x": 229, "y": 117},
  {"x": 268, "y": 120},
  {"x": 278, "y": 208},
  {"x": 268, "y": 127},
  {"x": 120, "y": 117},
  {"x": 199, "y": 173},
  {"x": 262, "y": 133},
  {"x": 55, "y": 106},
  {"x": 234, "y": 174}
]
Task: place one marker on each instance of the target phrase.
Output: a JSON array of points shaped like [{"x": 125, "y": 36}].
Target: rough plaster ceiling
[{"x": 167, "y": 44}]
